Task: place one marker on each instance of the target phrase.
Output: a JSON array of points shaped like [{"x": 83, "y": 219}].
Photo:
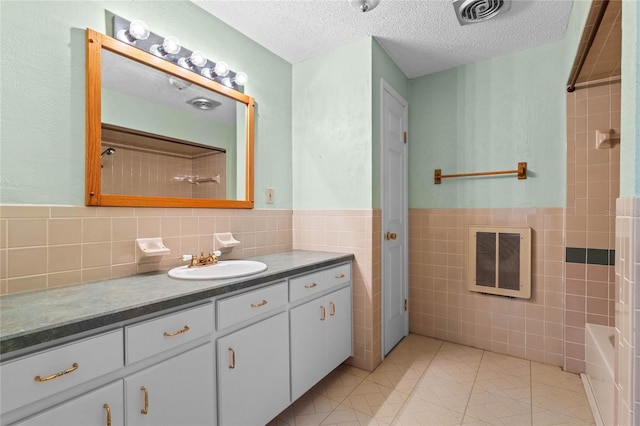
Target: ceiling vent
[
  {"x": 472, "y": 11},
  {"x": 204, "y": 104}
]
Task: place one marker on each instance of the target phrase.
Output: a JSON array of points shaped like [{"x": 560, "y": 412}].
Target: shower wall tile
[
  {"x": 593, "y": 181},
  {"x": 627, "y": 306}
]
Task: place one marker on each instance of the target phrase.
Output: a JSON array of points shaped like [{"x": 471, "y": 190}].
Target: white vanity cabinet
[
  {"x": 181, "y": 389},
  {"x": 321, "y": 329},
  {"x": 178, "y": 391},
  {"x": 101, "y": 407},
  {"x": 235, "y": 358},
  {"x": 253, "y": 362}
]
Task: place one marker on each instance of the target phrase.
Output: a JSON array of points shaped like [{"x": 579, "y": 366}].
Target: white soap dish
[
  {"x": 150, "y": 250},
  {"x": 225, "y": 242}
]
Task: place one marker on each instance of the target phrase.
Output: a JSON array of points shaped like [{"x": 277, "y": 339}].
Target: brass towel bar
[{"x": 521, "y": 171}]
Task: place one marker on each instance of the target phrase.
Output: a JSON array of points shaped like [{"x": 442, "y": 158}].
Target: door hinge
[
  {"x": 404, "y": 135},
  {"x": 406, "y": 304}
]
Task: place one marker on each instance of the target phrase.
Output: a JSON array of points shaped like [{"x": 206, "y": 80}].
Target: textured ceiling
[{"x": 422, "y": 36}]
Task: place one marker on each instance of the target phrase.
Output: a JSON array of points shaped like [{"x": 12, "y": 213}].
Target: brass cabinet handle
[
  {"x": 333, "y": 309},
  {"x": 145, "y": 395},
  {"x": 323, "y": 315},
  {"x": 340, "y": 276},
  {"x": 106, "y": 407},
  {"x": 312, "y": 285},
  {"x": 232, "y": 358},
  {"x": 175, "y": 333},
  {"x": 390, "y": 235},
  {"x": 257, "y": 305},
  {"x": 73, "y": 368}
]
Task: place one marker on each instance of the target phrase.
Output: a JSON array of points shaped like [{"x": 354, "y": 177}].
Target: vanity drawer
[
  {"x": 46, "y": 373},
  {"x": 236, "y": 309},
  {"x": 338, "y": 275},
  {"x": 306, "y": 285},
  {"x": 166, "y": 332}
]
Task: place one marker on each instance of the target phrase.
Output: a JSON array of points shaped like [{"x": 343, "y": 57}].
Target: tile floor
[{"x": 425, "y": 381}]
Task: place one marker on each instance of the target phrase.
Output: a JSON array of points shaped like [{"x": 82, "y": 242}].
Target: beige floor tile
[
  {"x": 426, "y": 381},
  {"x": 417, "y": 360},
  {"x": 339, "y": 383},
  {"x": 548, "y": 418},
  {"x": 418, "y": 412},
  {"x": 413, "y": 342},
  {"x": 395, "y": 376}
]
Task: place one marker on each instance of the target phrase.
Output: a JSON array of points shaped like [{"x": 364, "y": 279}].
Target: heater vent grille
[{"x": 500, "y": 260}]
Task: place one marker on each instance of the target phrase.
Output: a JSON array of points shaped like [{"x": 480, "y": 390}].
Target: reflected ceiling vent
[
  {"x": 472, "y": 11},
  {"x": 204, "y": 103}
]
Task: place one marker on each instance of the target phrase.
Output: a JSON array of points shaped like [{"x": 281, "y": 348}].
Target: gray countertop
[{"x": 33, "y": 318}]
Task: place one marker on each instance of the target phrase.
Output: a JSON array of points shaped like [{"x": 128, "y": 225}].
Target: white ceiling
[{"x": 422, "y": 36}]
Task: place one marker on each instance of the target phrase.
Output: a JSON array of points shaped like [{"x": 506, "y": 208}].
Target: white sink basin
[{"x": 222, "y": 269}]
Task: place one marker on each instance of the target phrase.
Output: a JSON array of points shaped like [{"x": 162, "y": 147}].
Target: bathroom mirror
[{"x": 160, "y": 135}]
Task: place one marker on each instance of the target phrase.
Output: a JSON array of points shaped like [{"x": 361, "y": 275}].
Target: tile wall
[
  {"x": 440, "y": 305},
  {"x": 627, "y": 302},
  {"x": 358, "y": 232},
  {"x": 49, "y": 246},
  {"x": 593, "y": 183},
  {"x": 137, "y": 172}
]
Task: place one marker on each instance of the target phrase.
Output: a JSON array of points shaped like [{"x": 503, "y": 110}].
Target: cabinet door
[
  {"x": 253, "y": 373},
  {"x": 339, "y": 327},
  {"x": 178, "y": 391},
  {"x": 308, "y": 341},
  {"x": 92, "y": 409}
]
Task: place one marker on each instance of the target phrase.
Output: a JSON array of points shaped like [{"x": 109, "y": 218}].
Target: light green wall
[
  {"x": 332, "y": 147},
  {"x": 42, "y": 82},
  {"x": 630, "y": 112},
  {"x": 383, "y": 69},
  {"x": 489, "y": 116}
]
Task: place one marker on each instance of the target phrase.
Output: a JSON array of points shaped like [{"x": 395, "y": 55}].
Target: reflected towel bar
[{"x": 521, "y": 171}]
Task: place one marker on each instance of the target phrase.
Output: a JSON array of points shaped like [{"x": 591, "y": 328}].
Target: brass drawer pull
[
  {"x": 257, "y": 305},
  {"x": 312, "y": 285},
  {"x": 323, "y": 315},
  {"x": 339, "y": 276},
  {"x": 232, "y": 358},
  {"x": 175, "y": 333},
  {"x": 73, "y": 368},
  {"x": 106, "y": 407},
  {"x": 333, "y": 309},
  {"x": 145, "y": 393}
]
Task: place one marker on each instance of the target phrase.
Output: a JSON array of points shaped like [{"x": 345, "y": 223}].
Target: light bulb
[
  {"x": 227, "y": 82},
  {"x": 197, "y": 59},
  {"x": 241, "y": 79},
  {"x": 138, "y": 30},
  {"x": 221, "y": 69},
  {"x": 170, "y": 46}
]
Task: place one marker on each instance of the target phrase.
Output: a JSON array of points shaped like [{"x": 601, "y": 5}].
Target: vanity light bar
[{"x": 137, "y": 34}]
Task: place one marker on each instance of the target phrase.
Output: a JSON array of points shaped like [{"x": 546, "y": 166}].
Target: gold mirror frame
[{"x": 93, "y": 194}]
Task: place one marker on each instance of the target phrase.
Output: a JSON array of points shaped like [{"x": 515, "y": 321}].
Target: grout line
[
  {"x": 531, "y": 392},
  {"x": 466, "y": 407}
]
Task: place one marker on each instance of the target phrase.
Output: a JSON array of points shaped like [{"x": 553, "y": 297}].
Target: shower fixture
[
  {"x": 108, "y": 151},
  {"x": 473, "y": 11}
]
